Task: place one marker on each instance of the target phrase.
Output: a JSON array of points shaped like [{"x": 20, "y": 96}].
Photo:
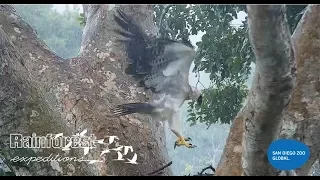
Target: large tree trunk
[
  {"x": 271, "y": 42},
  {"x": 42, "y": 93},
  {"x": 300, "y": 118},
  {"x": 260, "y": 119}
]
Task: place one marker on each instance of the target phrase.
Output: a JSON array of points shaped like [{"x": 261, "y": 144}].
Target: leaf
[
  {"x": 194, "y": 31},
  {"x": 205, "y": 38},
  {"x": 192, "y": 119}
]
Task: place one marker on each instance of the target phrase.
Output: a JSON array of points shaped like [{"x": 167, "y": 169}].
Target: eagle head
[
  {"x": 187, "y": 42},
  {"x": 196, "y": 95}
]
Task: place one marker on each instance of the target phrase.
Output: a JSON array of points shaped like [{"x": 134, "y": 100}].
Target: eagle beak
[
  {"x": 175, "y": 145},
  {"x": 199, "y": 100}
]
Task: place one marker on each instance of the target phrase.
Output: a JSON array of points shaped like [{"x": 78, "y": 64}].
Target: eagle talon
[
  {"x": 182, "y": 141},
  {"x": 191, "y": 146}
]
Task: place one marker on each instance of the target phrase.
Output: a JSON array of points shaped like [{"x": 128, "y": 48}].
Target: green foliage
[
  {"x": 61, "y": 32},
  {"x": 220, "y": 104},
  {"x": 224, "y": 52},
  {"x": 82, "y": 19}
]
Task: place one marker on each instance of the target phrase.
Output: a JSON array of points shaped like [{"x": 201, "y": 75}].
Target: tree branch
[
  {"x": 42, "y": 93},
  {"x": 299, "y": 120},
  {"x": 204, "y": 169},
  {"x": 201, "y": 173},
  {"x": 164, "y": 12},
  {"x": 271, "y": 43},
  {"x": 160, "y": 170},
  {"x": 165, "y": 28}
]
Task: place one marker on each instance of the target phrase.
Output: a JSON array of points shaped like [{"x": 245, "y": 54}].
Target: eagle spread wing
[{"x": 159, "y": 64}]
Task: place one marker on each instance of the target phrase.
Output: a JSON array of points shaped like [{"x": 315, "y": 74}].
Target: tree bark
[
  {"x": 271, "y": 42},
  {"x": 300, "y": 119},
  {"x": 42, "y": 93},
  {"x": 230, "y": 162},
  {"x": 261, "y": 116}
]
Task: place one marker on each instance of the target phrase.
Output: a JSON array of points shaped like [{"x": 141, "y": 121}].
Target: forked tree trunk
[
  {"x": 271, "y": 117},
  {"x": 42, "y": 93}
]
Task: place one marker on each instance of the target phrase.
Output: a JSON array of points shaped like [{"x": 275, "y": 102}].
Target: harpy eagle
[{"x": 162, "y": 65}]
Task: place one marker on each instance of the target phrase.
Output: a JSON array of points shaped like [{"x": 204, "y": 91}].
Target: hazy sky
[
  {"x": 204, "y": 78},
  {"x": 61, "y": 7}
]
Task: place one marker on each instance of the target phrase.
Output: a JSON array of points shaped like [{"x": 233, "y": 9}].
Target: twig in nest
[
  {"x": 159, "y": 171},
  {"x": 206, "y": 174},
  {"x": 209, "y": 167}
]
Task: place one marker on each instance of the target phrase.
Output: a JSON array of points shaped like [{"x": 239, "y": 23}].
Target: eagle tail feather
[{"x": 130, "y": 108}]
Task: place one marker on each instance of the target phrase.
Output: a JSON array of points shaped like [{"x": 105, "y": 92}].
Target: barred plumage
[{"x": 162, "y": 65}]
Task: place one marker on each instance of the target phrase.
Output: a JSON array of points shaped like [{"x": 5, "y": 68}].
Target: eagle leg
[{"x": 183, "y": 142}]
